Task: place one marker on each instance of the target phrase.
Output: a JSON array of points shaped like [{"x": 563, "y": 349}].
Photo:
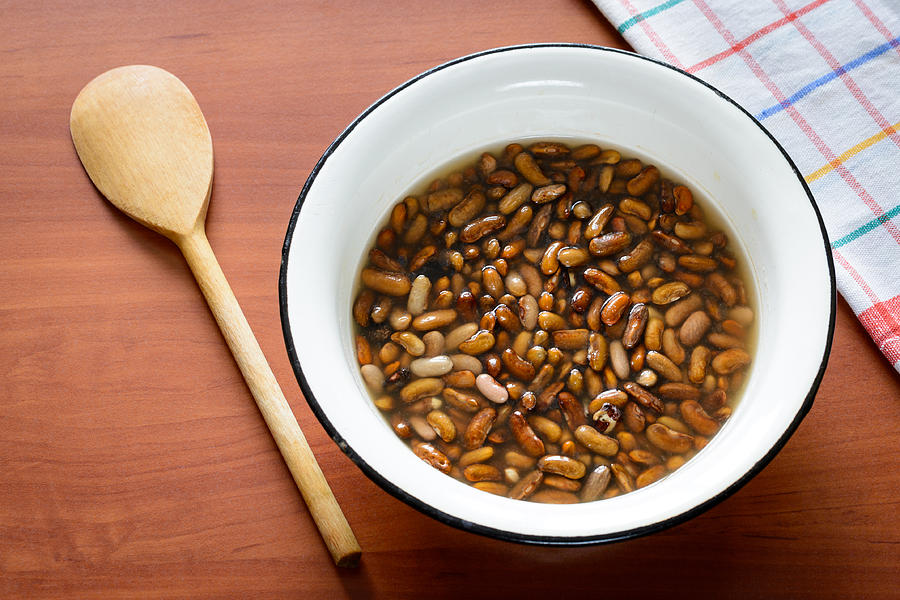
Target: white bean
[
  {"x": 434, "y": 366},
  {"x": 373, "y": 377},
  {"x": 418, "y": 295},
  {"x": 466, "y": 362},
  {"x": 459, "y": 335},
  {"x": 422, "y": 428},
  {"x": 491, "y": 388},
  {"x": 618, "y": 358}
]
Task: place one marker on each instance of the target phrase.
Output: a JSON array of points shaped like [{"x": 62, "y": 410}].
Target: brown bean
[
  {"x": 634, "y": 328},
  {"x": 478, "y": 455},
  {"x": 596, "y": 442},
  {"x": 480, "y": 342},
  {"x": 572, "y": 410},
  {"x": 515, "y": 198},
  {"x": 641, "y": 183},
  {"x": 517, "y": 366},
  {"x": 724, "y": 341},
  {"x": 442, "y": 425},
  {"x": 609, "y": 243},
  {"x": 729, "y": 361},
  {"x": 684, "y": 200},
  {"x": 548, "y": 193},
  {"x": 386, "y": 282},
  {"x": 598, "y": 351},
  {"x": 525, "y": 435},
  {"x": 466, "y": 210},
  {"x": 481, "y": 227},
  {"x": 643, "y": 396},
  {"x": 637, "y": 257},
  {"x": 478, "y": 428},
  {"x": 552, "y": 496},
  {"x": 550, "y": 321},
  {"x": 623, "y": 478},
  {"x": 410, "y": 342},
  {"x": 459, "y": 400},
  {"x": 669, "y": 292},
  {"x": 425, "y": 386},
  {"x": 694, "y": 328},
  {"x": 670, "y": 242},
  {"x": 635, "y": 208},
  {"x": 649, "y": 476},
  {"x": 529, "y": 169},
  {"x": 699, "y": 359},
  {"x": 680, "y": 310},
  {"x": 433, "y": 457},
  {"x": 573, "y": 256},
  {"x": 671, "y": 347},
  {"x": 664, "y": 366},
  {"x": 602, "y": 281},
  {"x": 634, "y": 417},
  {"x": 696, "y": 262},
  {"x": 503, "y": 177},
  {"x": 668, "y": 440},
  {"x": 562, "y": 465},
  {"x": 492, "y": 487},
  {"x": 526, "y": 485},
  {"x": 443, "y": 199},
  {"x": 678, "y": 391},
  {"x": 613, "y": 308},
  {"x": 570, "y": 339},
  {"x": 697, "y": 418},
  {"x": 550, "y": 261},
  {"x": 482, "y": 472},
  {"x": 435, "y": 319}
]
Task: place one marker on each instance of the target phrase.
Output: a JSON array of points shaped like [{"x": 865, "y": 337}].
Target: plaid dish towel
[{"x": 824, "y": 77}]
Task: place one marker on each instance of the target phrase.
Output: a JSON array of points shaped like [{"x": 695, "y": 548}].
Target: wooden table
[{"x": 135, "y": 464}]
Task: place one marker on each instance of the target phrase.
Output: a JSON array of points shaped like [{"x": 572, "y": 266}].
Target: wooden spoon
[{"x": 146, "y": 146}]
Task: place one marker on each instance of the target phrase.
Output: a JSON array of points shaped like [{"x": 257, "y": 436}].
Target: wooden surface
[{"x": 133, "y": 461}]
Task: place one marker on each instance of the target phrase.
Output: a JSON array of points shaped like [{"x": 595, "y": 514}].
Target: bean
[
  {"x": 641, "y": 183},
  {"x": 653, "y": 333},
  {"x": 570, "y": 339},
  {"x": 548, "y": 428},
  {"x": 373, "y": 377},
  {"x": 515, "y": 198},
  {"x": 435, "y": 319},
  {"x": 478, "y": 428},
  {"x": 680, "y": 310},
  {"x": 671, "y": 347},
  {"x": 609, "y": 243},
  {"x": 491, "y": 487},
  {"x": 684, "y": 200},
  {"x": 742, "y": 314},
  {"x": 635, "y": 208},
  {"x": 651, "y": 475},
  {"x": 433, "y": 457},
  {"x": 670, "y": 242},
  {"x": 623, "y": 478},
  {"x": 478, "y": 455},
  {"x": 426, "y": 386},
  {"x": 481, "y": 227},
  {"x": 598, "y": 351},
  {"x": 386, "y": 282},
  {"x": 572, "y": 410},
  {"x": 442, "y": 425},
  {"x": 562, "y": 465},
  {"x": 572, "y": 256},
  {"x": 668, "y": 440},
  {"x": 554, "y": 497},
  {"x": 602, "y": 281},
  {"x": 598, "y": 221},
  {"x": 699, "y": 359},
  {"x": 696, "y": 262},
  {"x": 528, "y": 312},
  {"x": 526, "y": 485},
  {"x": 434, "y": 366},
  {"x": 548, "y": 193},
  {"x": 723, "y": 340},
  {"x": 729, "y": 361},
  {"x": 634, "y": 328},
  {"x": 619, "y": 359},
  {"x": 517, "y": 366},
  {"x": 596, "y": 442},
  {"x": 525, "y": 435},
  {"x": 634, "y": 417},
  {"x": 443, "y": 199},
  {"x": 670, "y": 292},
  {"x": 697, "y": 418},
  {"x": 664, "y": 366},
  {"x": 409, "y": 342},
  {"x": 479, "y": 343},
  {"x": 529, "y": 169},
  {"x": 614, "y": 307},
  {"x": 690, "y": 230},
  {"x": 491, "y": 389},
  {"x": 434, "y": 344},
  {"x": 482, "y": 472},
  {"x": 643, "y": 397},
  {"x": 550, "y": 261},
  {"x": 637, "y": 257},
  {"x": 460, "y": 401},
  {"x": 694, "y": 328},
  {"x": 459, "y": 334},
  {"x": 467, "y": 209},
  {"x": 465, "y": 362}
]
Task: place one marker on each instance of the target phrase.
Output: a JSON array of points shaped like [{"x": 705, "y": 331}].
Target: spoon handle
[{"x": 277, "y": 413}]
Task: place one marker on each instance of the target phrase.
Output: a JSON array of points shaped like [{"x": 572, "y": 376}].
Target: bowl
[{"x": 574, "y": 92}]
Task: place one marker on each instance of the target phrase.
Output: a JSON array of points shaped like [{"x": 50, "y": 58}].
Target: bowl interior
[{"x": 577, "y": 93}]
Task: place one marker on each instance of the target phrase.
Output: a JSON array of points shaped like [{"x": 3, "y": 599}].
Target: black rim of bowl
[{"x": 501, "y": 534}]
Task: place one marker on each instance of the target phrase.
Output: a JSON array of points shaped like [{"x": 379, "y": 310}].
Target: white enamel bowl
[{"x": 580, "y": 93}]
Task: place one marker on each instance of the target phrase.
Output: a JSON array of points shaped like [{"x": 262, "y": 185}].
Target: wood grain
[{"x": 133, "y": 462}]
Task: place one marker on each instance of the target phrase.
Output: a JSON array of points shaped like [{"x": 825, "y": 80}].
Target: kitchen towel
[{"x": 824, "y": 77}]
